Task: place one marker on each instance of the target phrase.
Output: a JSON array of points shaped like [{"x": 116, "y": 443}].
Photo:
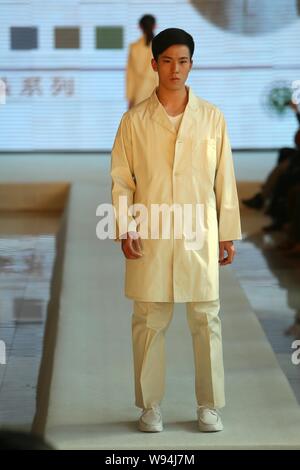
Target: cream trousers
[{"x": 150, "y": 321}]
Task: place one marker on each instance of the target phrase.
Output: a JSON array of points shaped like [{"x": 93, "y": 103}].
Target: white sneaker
[
  {"x": 151, "y": 420},
  {"x": 209, "y": 419}
]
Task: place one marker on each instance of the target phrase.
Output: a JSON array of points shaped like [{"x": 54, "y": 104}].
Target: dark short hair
[{"x": 170, "y": 37}]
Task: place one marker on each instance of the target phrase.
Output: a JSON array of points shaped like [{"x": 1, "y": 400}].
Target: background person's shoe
[
  {"x": 151, "y": 420},
  {"x": 209, "y": 419}
]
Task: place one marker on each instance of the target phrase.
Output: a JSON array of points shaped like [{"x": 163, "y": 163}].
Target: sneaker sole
[
  {"x": 210, "y": 427},
  {"x": 150, "y": 427}
]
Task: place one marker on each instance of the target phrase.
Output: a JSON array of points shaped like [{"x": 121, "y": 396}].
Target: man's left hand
[{"x": 227, "y": 247}]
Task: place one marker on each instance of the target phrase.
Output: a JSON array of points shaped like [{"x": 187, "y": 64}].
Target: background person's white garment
[{"x": 140, "y": 77}]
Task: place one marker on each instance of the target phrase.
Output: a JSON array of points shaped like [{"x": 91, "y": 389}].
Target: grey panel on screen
[
  {"x": 23, "y": 38},
  {"x": 67, "y": 38}
]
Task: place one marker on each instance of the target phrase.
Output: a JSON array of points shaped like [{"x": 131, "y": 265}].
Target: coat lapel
[
  {"x": 159, "y": 114},
  {"x": 188, "y": 123}
]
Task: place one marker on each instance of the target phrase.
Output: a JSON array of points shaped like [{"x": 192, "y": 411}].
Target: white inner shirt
[{"x": 176, "y": 120}]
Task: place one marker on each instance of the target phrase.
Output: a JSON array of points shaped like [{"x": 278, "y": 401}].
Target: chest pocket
[{"x": 204, "y": 157}]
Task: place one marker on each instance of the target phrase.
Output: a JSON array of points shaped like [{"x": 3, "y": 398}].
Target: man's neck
[{"x": 174, "y": 101}]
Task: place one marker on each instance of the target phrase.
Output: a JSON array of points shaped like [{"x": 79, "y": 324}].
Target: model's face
[{"x": 173, "y": 66}]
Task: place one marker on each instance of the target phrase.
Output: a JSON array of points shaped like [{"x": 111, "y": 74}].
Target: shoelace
[
  {"x": 156, "y": 410},
  {"x": 212, "y": 410}
]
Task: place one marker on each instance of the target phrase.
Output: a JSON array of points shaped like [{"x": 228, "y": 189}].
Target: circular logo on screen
[{"x": 249, "y": 17}]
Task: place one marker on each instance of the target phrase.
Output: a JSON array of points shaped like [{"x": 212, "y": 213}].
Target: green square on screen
[
  {"x": 67, "y": 38},
  {"x": 109, "y": 37}
]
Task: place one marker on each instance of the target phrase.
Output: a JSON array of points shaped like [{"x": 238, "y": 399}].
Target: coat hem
[{"x": 176, "y": 301}]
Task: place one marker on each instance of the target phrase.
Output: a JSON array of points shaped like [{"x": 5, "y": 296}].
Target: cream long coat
[
  {"x": 151, "y": 163},
  {"x": 140, "y": 77}
]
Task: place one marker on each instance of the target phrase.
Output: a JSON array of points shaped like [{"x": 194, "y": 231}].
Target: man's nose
[{"x": 175, "y": 67}]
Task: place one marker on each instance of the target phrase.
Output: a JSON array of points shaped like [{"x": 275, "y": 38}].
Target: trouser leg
[
  {"x": 150, "y": 321},
  {"x": 205, "y": 328}
]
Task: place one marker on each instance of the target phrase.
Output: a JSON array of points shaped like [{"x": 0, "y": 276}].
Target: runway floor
[{"x": 267, "y": 279}]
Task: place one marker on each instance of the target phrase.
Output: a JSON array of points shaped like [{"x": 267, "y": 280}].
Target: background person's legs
[
  {"x": 150, "y": 321},
  {"x": 205, "y": 327}
]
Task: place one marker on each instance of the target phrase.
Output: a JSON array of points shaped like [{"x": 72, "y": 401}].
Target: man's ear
[
  {"x": 191, "y": 64},
  {"x": 154, "y": 65}
]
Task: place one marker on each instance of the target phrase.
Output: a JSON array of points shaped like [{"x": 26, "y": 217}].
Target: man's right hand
[{"x": 132, "y": 246}]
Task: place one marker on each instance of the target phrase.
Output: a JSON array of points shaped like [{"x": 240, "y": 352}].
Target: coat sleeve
[
  {"x": 123, "y": 181},
  {"x": 130, "y": 76},
  {"x": 225, "y": 187}
]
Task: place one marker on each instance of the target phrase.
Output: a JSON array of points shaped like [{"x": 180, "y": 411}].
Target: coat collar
[{"x": 159, "y": 114}]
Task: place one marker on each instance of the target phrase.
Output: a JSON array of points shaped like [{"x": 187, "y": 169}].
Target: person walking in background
[{"x": 140, "y": 77}]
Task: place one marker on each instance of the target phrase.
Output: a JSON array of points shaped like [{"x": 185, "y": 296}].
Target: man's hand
[
  {"x": 132, "y": 246},
  {"x": 227, "y": 246}
]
